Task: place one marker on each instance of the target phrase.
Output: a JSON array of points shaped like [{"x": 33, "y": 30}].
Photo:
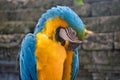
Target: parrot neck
[{"x": 51, "y": 26}]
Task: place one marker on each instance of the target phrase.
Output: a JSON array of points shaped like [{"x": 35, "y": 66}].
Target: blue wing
[
  {"x": 27, "y": 58},
  {"x": 75, "y": 65}
]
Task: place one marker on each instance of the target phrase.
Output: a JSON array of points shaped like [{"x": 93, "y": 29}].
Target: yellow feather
[
  {"x": 51, "y": 26},
  {"x": 53, "y": 61},
  {"x": 50, "y": 57},
  {"x": 68, "y": 66}
]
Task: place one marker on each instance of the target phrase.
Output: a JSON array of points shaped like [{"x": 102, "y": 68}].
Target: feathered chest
[
  {"x": 50, "y": 57},
  {"x": 49, "y": 49}
]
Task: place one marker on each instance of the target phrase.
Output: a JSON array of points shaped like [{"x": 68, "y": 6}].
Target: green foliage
[{"x": 79, "y": 2}]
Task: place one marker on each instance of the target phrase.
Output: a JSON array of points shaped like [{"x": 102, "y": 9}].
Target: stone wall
[{"x": 99, "y": 53}]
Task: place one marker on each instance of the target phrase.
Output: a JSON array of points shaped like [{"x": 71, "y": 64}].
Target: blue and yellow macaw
[{"x": 51, "y": 52}]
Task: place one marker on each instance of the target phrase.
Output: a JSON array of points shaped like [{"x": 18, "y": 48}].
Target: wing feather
[
  {"x": 75, "y": 64},
  {"x": 27, "y": 58}
]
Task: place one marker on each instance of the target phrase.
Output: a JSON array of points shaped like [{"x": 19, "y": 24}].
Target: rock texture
[{"x": 99, "y": 54}]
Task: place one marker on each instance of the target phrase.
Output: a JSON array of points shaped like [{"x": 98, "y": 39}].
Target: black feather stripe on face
[
  {"x": 71, "y": 33},
  {"x": 68, "y": 31},
  {"x": 63, "y": 34}
]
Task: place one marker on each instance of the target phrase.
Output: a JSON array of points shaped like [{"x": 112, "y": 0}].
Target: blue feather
[
  {"x": 75, "y": 64},
  {"x": 27, "y": 58},
  {"x": 64, "y": 13}
]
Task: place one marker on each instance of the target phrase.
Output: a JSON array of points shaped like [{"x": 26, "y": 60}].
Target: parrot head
[{"x": 62, "y": 24}]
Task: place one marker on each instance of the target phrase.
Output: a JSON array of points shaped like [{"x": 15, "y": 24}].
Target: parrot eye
[{"x": 73, "y": 33}]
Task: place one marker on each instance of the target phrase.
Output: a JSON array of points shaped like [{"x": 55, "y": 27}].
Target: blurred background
[{"x": 99, "y": 54}]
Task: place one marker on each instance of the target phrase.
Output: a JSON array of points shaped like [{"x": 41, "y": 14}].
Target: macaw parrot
[{"x": 51, "y": 52}]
